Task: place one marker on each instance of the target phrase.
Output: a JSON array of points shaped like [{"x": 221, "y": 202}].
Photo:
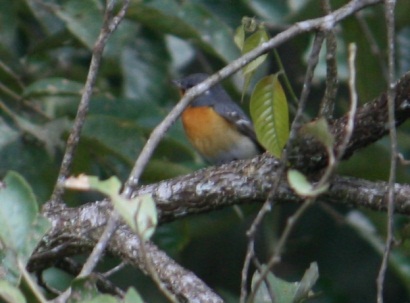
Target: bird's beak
[{"x": 177, "y": 83}]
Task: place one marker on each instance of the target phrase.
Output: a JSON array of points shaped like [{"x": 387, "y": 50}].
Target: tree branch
[
  {"x": 247, "y": 181},
  {"x": 84, "y": 226},
  {"x": 371, "y": 124}
]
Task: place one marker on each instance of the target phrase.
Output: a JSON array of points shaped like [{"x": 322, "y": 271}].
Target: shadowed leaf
[{"x": 21, "y": 225}]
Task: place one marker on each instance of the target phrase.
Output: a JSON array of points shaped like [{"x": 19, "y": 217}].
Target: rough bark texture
[
  {"x": 370, "y": 124},
  {"x": 78, "y": 229}
]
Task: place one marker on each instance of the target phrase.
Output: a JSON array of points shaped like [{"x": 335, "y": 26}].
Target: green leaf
[
  {"x": 283, "y": 291},
  {"x": 84, "y": 21},
  {"x": 21, "y": 225},
  {"x": 239, "y": 37},
  {"x": 146, "y": 112},
  {"x": 53, "y": 86},
  {"x": 132, "y": 296},
  {"x": 269, "y": 112},
  {"x": 8, "y": 25},
  {"x": 10, "y": 294},
  {"x": 125, "y": 138},
  {"x": 189, "y": 21},
  {"x": 83, "y": 290},
  {"x": 306, "y": 284},
  {"x": 144, "y": 66},
  {"x": 299, "y": 183},
  {"x": 252, "y": 42},
  {"x": 320, "y": 130},
  {"x": 28, "y": 157},
  {"x": 271, "y": 10},
  {"x": 49, "y": 22},
  {"x": 121, "y": 136},
  {"x": 30, "y": 283},
  {"x": 110, "y": 187},
  {"x": 49, "y": 134},
  {"x": 140, "y": 213}
]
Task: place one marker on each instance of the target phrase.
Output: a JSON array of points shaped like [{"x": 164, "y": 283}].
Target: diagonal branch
[
  {"x": 83, "y": 227},
  {"x": 248, "y": 181}
]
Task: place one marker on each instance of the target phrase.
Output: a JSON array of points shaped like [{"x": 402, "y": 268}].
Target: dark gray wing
[{"x": 234, "y": 114}]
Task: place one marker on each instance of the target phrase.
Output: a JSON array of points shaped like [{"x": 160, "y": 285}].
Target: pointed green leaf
[
  {"x": 321, "y": 131},
  {"x": 49, "y": 133},
  {"x": 132, "y": 296},
  {"x": 239, "y": 37},
  {"x": 252, "y": 42},
  {"x": 284, "y": 291},
  {"x": 306, "y": 284},
  {"x": 299, "y": 183},
  {"x": 269, "y": 112},
  {"x": 83, "y": 21},
  {"x": 21, "y": 225},
  {"x": 139, "y": 213},
  {"x": 110, "y": 187}
]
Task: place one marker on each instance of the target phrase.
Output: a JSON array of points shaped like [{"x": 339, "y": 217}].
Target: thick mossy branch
[
  {"x": 249, "y": 181},
  {"x": 370, "y": 124}
]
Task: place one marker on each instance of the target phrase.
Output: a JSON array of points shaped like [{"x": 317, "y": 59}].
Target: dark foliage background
[{"x": 45, "y": 51}]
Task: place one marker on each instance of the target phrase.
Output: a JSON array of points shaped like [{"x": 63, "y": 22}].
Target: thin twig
[
  {"x": 150, "y": 267},
  {"x": 23, "y": 102},
  {"x": 333, "y": 161},
  {"x": 299, "y": 28},
  {"x": 328, "y": 102},
  {"x": 325, "y": 23},
  {"x": 285, "y": 77},
  {"x": 104, "y": 285},
  {"x": 353, "y": 101},
  {"x": 12, "y": 74},
  {"x": 403, "y": 161},
  {"x": 110, "y": 24},
  {"x": 32, "y": 286},
  {"x": 374, "y": 47},
  {"x": 312, "y": 63},
  {"x": 389, "y": 15},
  {"x": 99, "y": 248},
  {"x": 114, "y": 270}
]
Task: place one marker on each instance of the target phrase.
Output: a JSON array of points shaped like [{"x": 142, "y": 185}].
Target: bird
[{"x": 215, "y": 125}]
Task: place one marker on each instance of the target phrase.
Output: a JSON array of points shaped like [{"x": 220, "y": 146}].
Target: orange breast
[{"x": 210, "y": 133}]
